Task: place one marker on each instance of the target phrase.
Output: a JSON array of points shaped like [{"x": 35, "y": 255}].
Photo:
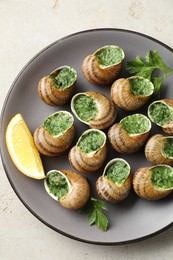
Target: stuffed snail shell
[
  {"x": 131, "y": 93},
  {"x": 58, "y": 87},
  {"x": 94, "y": 109},
  {"x": 130, "y": 134},
  {"x": 159, "y": 149},
  {"x": 69, "y": 188},
  {"x": 104, "y": 65},
  {"x": 161, "y": 113},
  {"x": 116, "y": 182},
  {"x": 56, "y": 134},
  {"x": 153, "y": 183},
  {"x": 89, "y": 154}
]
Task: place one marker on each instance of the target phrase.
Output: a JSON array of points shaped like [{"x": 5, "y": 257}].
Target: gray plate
[{"x": 133, "y": 219}]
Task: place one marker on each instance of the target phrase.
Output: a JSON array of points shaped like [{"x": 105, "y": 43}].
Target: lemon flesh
[{"x": 22, "y": 149}]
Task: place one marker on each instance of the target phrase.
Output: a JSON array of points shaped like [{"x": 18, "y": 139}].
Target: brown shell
[
  {"x": 51, "y": 145},
  {"x": 80, "y": 192},
  {"x": 123, "y": 98},
  {"x": 85, "y": 163},
  {"x": 50, "y": 94},
  {"x": 144, "y": 187},
  {"x": 153, "y": 150},
  {"x": 112, "y": 192},
  {"x": 122, "y": 142},
  {"x": 106, "y": 112},
  {"x": 97, "y": 75}
]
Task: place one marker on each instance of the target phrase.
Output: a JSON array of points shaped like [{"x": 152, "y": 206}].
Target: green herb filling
[
  {"x": 65, "y": 78},
  {"x": 136, "y": 124},
  {"x": 85, "y": 107},
  {"x": 168, "y": 148},
  {"x": 108, "y": 56},
  {"x": 162, "y": 177},
  {"x": 141, "y": 87},
  {"x": 91, "y": 142},
  {"x": 118, "y": 172},
  {"x": 58, "y": 123},
  {"x": 57, "y": 184},
  {"x": 161, "y": 113}
]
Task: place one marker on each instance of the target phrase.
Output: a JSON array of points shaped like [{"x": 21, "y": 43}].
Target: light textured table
[{"x": 25, "y": 28}]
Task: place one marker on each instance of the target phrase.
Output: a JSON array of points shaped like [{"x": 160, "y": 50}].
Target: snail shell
[
  {"x": 100, "y": 74},
  {"x": 124, "y": 142},
  {"x": 108, "y": 189},
  {"x": 144, "y": 186},
  {"x": 88, "y": 162},
  {"x": 154, "y": 149},
  {"x": 128, "y": 96},
  {"x": 105, "y": 110},
  {"x": 78, "y": 189},
  {"x": 50, "y": 92},
  {"x": 167, "y": 124},
  {"x": 51, "y": 144}
]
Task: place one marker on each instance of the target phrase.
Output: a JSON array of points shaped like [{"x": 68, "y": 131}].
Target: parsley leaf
[
  {"x": 159, "y": 64},
  {"x": 93, "y": 208},
  {"x": 145, "y": 68},
  {"x": 157, "y": 84}
]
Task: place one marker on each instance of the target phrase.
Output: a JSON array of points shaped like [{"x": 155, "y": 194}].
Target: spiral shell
[
  {"x": 154, "y": 150},
  {"x": 124, "y": 142},
  {"x": 167, "y": 126},
  {"x": 124, "y": 96},
  {"x": 54, "y": 145},
  {"x": 111, "y": 191},
  {"x": 144, "y": 186},
  {"x": 88, "y": 162},
  {"x": 99, "y": 74},
  {"x": 106, "y": 111},
  {"x": 49, "y": 91},
  {"x": 78, "y": 189}
]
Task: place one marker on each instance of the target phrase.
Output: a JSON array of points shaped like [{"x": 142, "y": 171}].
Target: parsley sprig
[
  {"x": 146, "y": 67},
  {"x": 94, "y": 210}
]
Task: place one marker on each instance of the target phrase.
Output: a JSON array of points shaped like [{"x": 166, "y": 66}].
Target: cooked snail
[
  {"x": 130, "y": 134},
  {"x": 131, "y": 93},
  {"x": 153, "y": 183},
  {"x": 115, "y": 183},
  {"x": 161, "y": 113},
  {"x": 94, "y": 109},
  {"x": 103, "y": 66},
  {"x": 159, "y": 149},
  {"x": 69, "y": 188},
  {"x": 89, "y": 154},
  {"x": 56, "y": 134},
  {"x": 58, "y": 87}
]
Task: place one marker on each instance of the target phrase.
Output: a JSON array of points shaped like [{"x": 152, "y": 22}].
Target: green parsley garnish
[
  {"x": 146, "y": 67},
  {"x": 93, "y": 208}
]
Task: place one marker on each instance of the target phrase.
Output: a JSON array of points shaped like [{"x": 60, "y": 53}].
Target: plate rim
[{"x": 1, "y": 122}]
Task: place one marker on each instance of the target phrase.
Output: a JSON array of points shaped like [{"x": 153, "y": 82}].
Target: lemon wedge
[{"x": 22, "y": 149}]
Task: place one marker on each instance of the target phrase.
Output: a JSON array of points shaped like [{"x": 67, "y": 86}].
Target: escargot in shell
[
  {"x": 131, "y": 93},
  {"x": 161, "y": 113},
  {"x": 94, "y": 109},
  {"x": 104, "y": 65},
  {"x": 89, "y": 154},
  {"x": 153, "y": 183},
  {"x": 58, "y": 87},
  {"x": 116, "y": 182},
  {"x": 56, "y": 134},
  {"x": 69, "y": 188},
  {"x": 130, "y": 134},
  {"x": 159, "y": 149}
]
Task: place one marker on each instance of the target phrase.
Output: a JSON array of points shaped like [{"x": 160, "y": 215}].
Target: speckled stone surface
[{"x": 26, "y": 27}]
